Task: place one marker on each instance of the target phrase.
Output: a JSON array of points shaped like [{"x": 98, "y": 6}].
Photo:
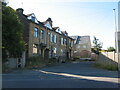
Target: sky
[{"x": 77, "y": 17}]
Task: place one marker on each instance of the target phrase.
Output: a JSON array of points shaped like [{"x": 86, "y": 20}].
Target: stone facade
[
  {"x": 82, "y": 46},
  {"x": 43, "y": 39}
]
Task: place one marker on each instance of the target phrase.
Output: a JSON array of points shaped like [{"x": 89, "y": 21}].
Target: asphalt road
[{"x": 66, "y": 75}]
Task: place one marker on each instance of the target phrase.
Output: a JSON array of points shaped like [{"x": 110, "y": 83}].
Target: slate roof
[
  {"x": 29, "y": 14},
  {"x": 55, "y": 28},
  {"x": 44, "y": 22},
  {"x": 81, "y": 39}
]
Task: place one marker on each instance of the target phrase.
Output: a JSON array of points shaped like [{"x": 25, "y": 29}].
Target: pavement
[{"x": 66, "y": 75}]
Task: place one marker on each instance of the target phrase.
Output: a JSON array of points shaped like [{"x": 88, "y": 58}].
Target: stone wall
[
  {"x": 110, "y": 58},
  {"x": 16, "y": 62}
]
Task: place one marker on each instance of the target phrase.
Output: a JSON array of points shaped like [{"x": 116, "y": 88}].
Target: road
[{"x": 66, "y": 75}]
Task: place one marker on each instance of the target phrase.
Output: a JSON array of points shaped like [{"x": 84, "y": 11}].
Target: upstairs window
[
  {"x": 36, "y": 32},
  {"x": 61, "y": 41},
  {"x": 51, "y": 37},
  {"x": 41, "y": 34},
  {"x": 70, "y": 43},
  {"x": 33, "y": 18},
  {"x": 55, "y": 39},
  {"x": 65, "y": 41}
]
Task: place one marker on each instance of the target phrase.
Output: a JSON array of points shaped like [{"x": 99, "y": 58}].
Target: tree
[
  {"x": 97, "y": 45},
  {"x": 12, "y": 33},
  {"x": 110, "y": 49}
]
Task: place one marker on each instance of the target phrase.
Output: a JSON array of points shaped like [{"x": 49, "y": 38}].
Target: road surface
[{"x": 66, "y": 75}]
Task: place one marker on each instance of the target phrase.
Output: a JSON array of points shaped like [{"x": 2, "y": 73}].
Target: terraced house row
[{"x": 43, "y": 39}]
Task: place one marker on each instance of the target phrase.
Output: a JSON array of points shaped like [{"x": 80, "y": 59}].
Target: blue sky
[{"x": 76, "y": 17}]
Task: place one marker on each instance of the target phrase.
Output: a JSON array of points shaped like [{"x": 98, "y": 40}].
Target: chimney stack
[
  {"x": 20, "y": 10},
  {"x": 50, "y": 21}
]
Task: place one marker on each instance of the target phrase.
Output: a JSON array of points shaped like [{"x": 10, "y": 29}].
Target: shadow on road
[{"x": 70, "y": 75}]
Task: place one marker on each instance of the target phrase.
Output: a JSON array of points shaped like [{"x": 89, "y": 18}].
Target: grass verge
[{"x": 106, "y": 66}]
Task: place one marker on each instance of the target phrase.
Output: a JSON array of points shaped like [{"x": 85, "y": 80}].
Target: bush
[
  {"x": 35, "y": 61},
  {"x": 53, "y": 60},
  {"x": 4, "y": 68}
]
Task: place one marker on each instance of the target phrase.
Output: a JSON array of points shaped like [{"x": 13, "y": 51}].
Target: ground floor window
[
  {"x": 55, "y": 50},
  {"x": 35, "y": 49}
]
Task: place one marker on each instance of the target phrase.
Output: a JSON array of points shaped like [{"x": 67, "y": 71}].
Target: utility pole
[{"x": 116, "y": 38}]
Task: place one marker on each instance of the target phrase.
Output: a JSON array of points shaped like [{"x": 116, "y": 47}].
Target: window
[
  {"x": 41, "y": 34},
  {"x": 58, "y": 30},
  {"x": 70, "y": 43},
  {"x": 35, "y": 49},
  {"x": 84, "y": 46},
  {"x": 65, "y": 41},
  {"x": 55, "y": 50},
  {"x": 33, "y": 18},
  {"x": 61, "y": 52},
  {"x": 55, "y": 39},
  {"x": 51, "y": 37},
  {"x": 61, "y": 41},
  {"x": 35, "y": 32}
]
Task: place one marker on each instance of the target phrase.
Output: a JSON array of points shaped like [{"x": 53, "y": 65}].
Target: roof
[
  {"x": 30, "y": 14},
  {"x": 55, "y": 27},
  {"x": 81, "y": 39},
  {"x": 44, "y": 22},
  {"x": 65, "y": 32}
]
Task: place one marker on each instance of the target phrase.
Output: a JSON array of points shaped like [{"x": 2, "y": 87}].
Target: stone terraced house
[
  {"x": 82, "y": 47},
  {"x": 43, "y": 39}
]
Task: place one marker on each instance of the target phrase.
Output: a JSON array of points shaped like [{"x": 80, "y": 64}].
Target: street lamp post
[{"x": 116, "y": 38}]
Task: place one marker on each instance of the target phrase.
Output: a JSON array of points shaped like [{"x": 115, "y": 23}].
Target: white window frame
[
  {"x": 61, "y": 41},
  {"x": 35, "y": 49},
  {"x": 55, "y": 38},
  {"x": 35, "y": 32},
  {"x": 51, "y": 37},
  {"x": 41, "y": 34}
]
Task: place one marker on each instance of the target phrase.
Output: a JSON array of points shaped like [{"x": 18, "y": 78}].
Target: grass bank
[
  {"x": 39, "y": 62},
  {"x": 106, "y": 66}
]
